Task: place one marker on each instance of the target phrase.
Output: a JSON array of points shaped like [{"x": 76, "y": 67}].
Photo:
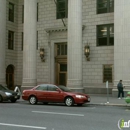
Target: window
[
  {"x": 37, "y": 41},
  {"x": 105, "y": 35},
  {"x": 22, "y": 42},
  {"x": 63, "y": 67},
  {"x": 62, "y": 49},
  {"x": 105, "y": 6},
  {"x": 37, "y": 11},
  {"x": 62, "y": 9},
  {"x": 107, "y": 73},
  {"x": 22, "y": 13},
  {"x": 11, "y": 12},
  {"x": 10, "y": 40},
  {"x": 42, "y": 87},
  {"x": 52, "y": 88}
]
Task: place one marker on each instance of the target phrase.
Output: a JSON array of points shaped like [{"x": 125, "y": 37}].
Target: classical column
[
  {"x": 74, "y": 56},
  {"x": 2, "y": 40},
  {"x": 122, "y": 42},
  {"x": 29, "y": 51}
]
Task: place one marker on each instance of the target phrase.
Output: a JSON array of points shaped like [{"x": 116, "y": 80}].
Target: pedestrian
[{"x": 120, "y": 89}]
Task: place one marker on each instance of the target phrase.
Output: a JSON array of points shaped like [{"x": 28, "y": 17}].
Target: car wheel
[
  {"x": 1, "y": 99},
  {"x": 13, "y": 101},
  {"x": 33, "y": 100},
  {"x": 69, "y": 101},
  {"x": 79, "y": 104}
]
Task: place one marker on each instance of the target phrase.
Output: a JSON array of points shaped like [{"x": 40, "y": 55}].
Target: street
[{"x": 23, "y": 116}]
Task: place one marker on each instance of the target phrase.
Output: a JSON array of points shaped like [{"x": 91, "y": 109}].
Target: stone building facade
[{"x": 35, "y": 26}]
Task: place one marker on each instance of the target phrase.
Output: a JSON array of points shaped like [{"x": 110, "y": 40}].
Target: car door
[
  {"x": 54, "y": 95},
  {"x": 41, "y": 92}
]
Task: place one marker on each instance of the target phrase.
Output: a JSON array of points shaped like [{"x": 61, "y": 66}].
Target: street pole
[{"x": 107, "y": 91}]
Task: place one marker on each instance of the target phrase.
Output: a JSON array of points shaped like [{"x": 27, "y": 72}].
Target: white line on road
[
  {"x": 68, "y": 114},
  {"x": 25, "y": 126}
]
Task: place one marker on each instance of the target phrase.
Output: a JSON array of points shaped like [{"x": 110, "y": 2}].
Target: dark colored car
[
  {"x": 51, "y": 93},
  {"x": 6, "y": 94}
]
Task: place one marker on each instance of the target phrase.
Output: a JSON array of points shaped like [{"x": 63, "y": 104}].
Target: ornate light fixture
[
  {"x": 42, "y": 54},
  {"x": 87, "y": 52}
]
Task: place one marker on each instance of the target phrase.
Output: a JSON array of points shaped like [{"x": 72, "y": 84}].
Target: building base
[
  {"x": 79, "y": 90},
  {"x": 98, "y": 90},
  {"x": 115, "y": 92}
]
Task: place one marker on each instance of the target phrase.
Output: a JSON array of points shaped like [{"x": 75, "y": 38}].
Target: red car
[{"x": 51, "y": 93}]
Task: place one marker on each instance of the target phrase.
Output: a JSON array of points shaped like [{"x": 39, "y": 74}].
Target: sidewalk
[{"x": 102, "y": 100}]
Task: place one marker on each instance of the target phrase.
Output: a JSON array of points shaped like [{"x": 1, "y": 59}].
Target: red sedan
[{"x": 51, "y": 93}]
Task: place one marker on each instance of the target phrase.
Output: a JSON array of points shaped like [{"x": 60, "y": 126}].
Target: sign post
[{"x": 107, "y": 91}]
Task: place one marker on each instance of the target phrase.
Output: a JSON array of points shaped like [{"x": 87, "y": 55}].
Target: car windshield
[
  {"x": 63, "y": 88},
  {"x": 2, "y": 87}
]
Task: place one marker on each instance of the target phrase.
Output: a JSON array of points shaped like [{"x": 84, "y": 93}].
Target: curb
[{"x": 109, "y": 104}]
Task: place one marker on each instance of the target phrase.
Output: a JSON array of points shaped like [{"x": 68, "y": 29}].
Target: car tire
[
  {"x": 1, "y": 99},
  {"x": 13, "y": 101},
  {"x": 33, "y": 100},
  {"x": 69, "y": 101}
]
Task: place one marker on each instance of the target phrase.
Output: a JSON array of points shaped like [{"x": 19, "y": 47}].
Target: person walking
[{"x": 120, "y": 89}]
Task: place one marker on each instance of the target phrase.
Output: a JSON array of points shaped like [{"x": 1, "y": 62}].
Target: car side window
[
  {"x": 42, "y": 87},
  {"x": 52, "y": 88}
]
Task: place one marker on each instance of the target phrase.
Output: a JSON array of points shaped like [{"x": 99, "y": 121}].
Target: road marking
[
  {"x": 68, "y": 114},
  {"x": 25, "y": 126}
]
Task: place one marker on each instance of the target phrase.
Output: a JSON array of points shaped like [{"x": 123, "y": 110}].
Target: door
[
  {"x": 10, "y": 77},
  {"x": 41, "y": 92},
  {"x": 61, "y": 63},
  {"x": 54, "y": 95},
  {"x": 62, "y": 74}
]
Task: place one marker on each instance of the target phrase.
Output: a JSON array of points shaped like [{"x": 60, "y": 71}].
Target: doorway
[
  {"x": 10, "y": 77},
  {"x": 61, "y": 63},
  {"x": 62, "y": 74}
]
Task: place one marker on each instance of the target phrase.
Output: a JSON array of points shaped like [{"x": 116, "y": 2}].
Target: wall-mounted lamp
[
  {"x": 87, "y": 52},
  {"x": 42, "y": 54}
]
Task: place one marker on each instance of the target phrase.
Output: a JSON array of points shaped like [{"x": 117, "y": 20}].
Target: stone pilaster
[
  {"x": 122, "y": 42},
  {"x": 29, "y": 51},
  {"x": 74, "y": 55},
  {"x": 2, "y": 40}
]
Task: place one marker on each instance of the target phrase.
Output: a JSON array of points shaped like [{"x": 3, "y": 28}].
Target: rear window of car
[
  {"x": 52, "y": 88},
  {"x": 63, "y": 88}
]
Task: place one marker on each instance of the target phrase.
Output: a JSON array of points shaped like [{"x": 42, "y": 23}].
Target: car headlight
[
  {"x": 80, "y": 96},
  {"x": 8, "y": 94}
]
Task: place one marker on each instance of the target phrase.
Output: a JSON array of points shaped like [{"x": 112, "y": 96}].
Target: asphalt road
[{"x": 23, "y": 116}]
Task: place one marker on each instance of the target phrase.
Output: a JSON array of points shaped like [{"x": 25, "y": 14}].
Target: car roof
[{"x": 46, "y": 84}]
